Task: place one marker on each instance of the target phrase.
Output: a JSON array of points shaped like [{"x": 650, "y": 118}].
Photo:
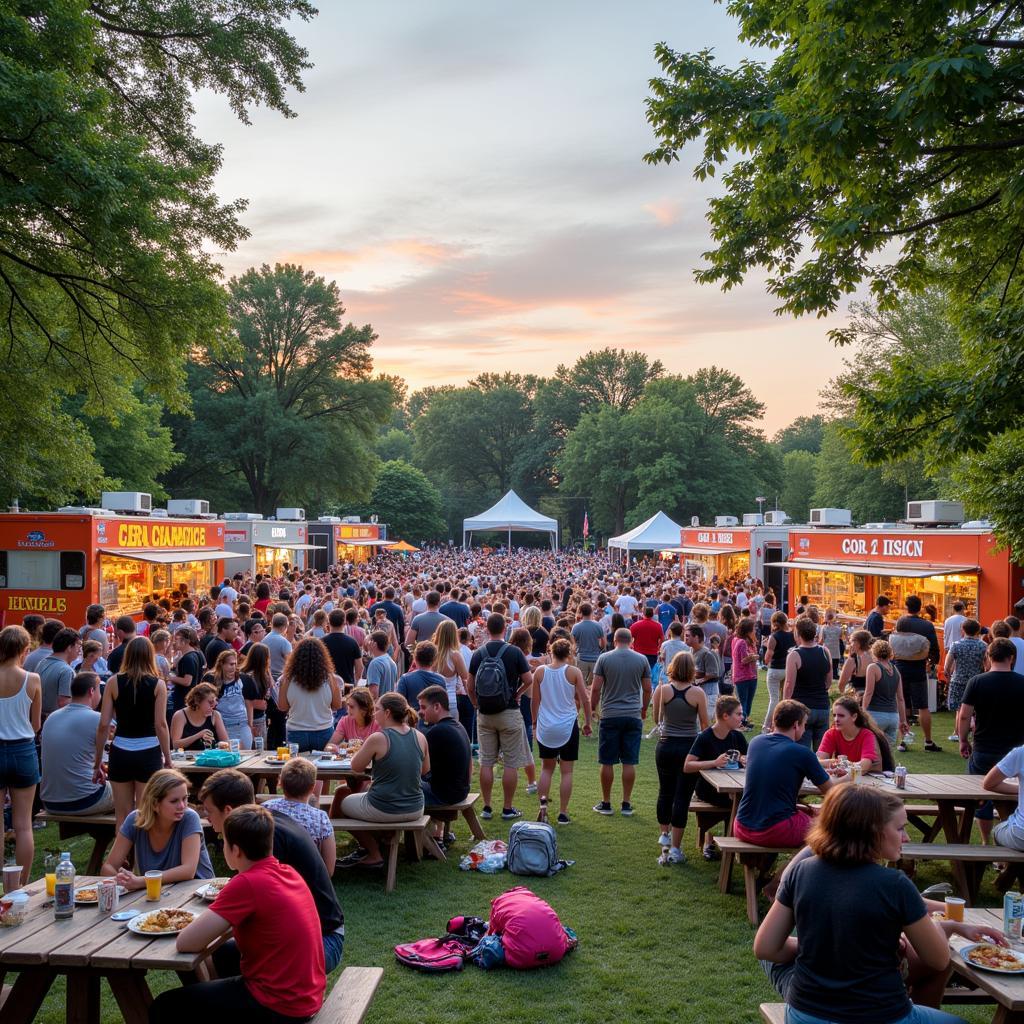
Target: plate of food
[
  {"x": 212, "y": 889},
  {"x": 168, "y": 921},
  {"x": 274, "y": 760},
  {"x": 987, "y": 956},
  {"x": 89, "y": 895}
]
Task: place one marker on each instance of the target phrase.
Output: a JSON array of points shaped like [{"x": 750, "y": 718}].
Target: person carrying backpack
[{"x": 499, "y": 675}]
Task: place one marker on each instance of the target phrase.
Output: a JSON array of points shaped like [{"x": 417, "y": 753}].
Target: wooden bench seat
[
  {"x": 449, "y": 812},
  {"x": 99, "y": 827},
  {"x": 708, "y": 816},
  {"x": 350, "y": 998},
  {"x": 967, "y": 861},
  {"x": 751, "y": 858},
  {"x": 773, "y": 1013},
  {"x": 417, "y": 840}
]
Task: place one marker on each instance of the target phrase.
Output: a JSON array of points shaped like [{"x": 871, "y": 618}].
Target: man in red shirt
[
  {"x": 647, "y": 636},
  {"x": 277, "y": 930}
]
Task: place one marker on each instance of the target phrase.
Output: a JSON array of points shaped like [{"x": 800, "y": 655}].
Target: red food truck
[{"x": 58, "y": 563}]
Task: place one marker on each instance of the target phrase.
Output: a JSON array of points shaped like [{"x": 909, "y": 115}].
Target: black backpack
[{"x": 494, "y": 693}]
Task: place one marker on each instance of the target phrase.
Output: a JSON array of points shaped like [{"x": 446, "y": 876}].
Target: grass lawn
[{"x": 656, "y": 943}]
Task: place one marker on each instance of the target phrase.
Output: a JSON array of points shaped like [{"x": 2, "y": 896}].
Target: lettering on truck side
[
  {"x": 22, "y": 603},
  {"x": 160, "y": 535}
]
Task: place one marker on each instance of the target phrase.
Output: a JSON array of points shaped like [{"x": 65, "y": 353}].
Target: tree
[
  {"x": 803, "y": 434},
  {"x": 407, "y": 501},
  {"x": 107, "y": 199},
  {"x": 394, "y": 444},
  {"x": 289, "y": 408},
  {"x": 799, "y": 476},
  {"x": 885, "y": 151}
]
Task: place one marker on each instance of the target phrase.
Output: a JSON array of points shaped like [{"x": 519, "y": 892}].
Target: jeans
[
  {"x": 889, "y": 723},
  {"x": 817, "y": 726},
  {"x": 526, "y": 711},
  {"x": 745, "y": 690},
  {"x": 776, "y": 677},
  {"x": 19, "y": 766},
  {"x": 711, "y": 692},
  {"x": 467, "y": 715},
  {"x": 917, "y": 1015},
  {"x": 310, "y": 739}
]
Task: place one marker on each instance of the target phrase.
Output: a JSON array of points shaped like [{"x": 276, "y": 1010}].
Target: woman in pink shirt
[
  {"x": 744, "y": 666},
  {"x": 853, "y": 736}
]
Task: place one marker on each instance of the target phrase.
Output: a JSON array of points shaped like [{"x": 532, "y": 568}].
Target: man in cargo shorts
[
  {"x": 504, "y": 732},
  {"x": 622, "y": 683}
]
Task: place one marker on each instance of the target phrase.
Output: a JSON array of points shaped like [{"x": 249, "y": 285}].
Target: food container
[
  {"x": 13, "y": 909},
  {"x": 108, "y": 897}
]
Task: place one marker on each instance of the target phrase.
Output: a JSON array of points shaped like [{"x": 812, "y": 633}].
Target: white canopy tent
[
  {"x": 512, "y": 514},
  {"x": 659, "y": 533}
]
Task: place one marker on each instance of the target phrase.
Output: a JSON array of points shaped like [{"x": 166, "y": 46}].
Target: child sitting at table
[
  {"x": 276, "y": 928},
  {"x": 298, "y": 781}
]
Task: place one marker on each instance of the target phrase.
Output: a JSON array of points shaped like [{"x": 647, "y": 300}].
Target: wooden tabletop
[
  {"x": 1006, "y": 989},
  {"x": 919, "y": 787},
  {"x": 90, "y": 938}
]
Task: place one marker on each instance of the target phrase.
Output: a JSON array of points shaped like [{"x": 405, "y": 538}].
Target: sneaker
[
  {"x": 711, "y": 852},
  {"x": 352, "y": 859},
  {"x": 603, "y": 807},
  {"x": 676, "y": 856},
  {"x": 563, "y": 819},
  {"x": 902, "y": 748},
  {"x": 627, "y": 810},
  {"x": 932, "y": 747},
  {"x": 664, "y": 840},
  {"x": 508, "y": 813},
  {"x": 542, "y": 814},
  {"x": 663, "y": 859},
  {"x": 486, "y": 813},
  {"x": 449, "y": 840},
  {"x": 531, "y": 788}
]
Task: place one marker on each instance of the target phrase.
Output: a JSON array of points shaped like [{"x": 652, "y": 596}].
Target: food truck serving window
[
  {"x": 843, "y": 591},
  {"x": 42, "y": 570},
  {"x": 939, "y": 591},
  {"x": 126, "y": 584}
]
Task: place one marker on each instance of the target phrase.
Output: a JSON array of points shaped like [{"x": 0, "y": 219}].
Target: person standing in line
[
  {"x": 952, "y": 628},
  {"x": 708, "y": 665},
  {"x": 830, "y": 636},
  {"x": 883, "y": 694},
  {"x": 590, "y": 641},
  {"x": 647, "y": 636},
  {"x": 965, "y": 659},
  {"x": 744, "y": 667},
  {"x": 55, "y": 672},
  {"x": 808, "y": 677},
  {"x": 780, "y": 642},
  {"x": 622, "y": 689},
  {"x": 915, "y": 673},
  {"x": 1017, "y": 640},
  {"x": 875, "y": 622}
]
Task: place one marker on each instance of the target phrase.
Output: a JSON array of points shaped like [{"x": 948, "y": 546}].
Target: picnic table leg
[
  {"x": 953, "y": 828},
  {"x": 83, "y": 997},
  {"x": 750, "y": 887},
  {"x": 132, "y": 994},
  {"x": 392, "y": 871},
  {"x": 474, "y": 823},
  {"x": 27, "y": 995},
  {"x": 1007, "y": 1016},
  {"x": 725, "y": 871}
]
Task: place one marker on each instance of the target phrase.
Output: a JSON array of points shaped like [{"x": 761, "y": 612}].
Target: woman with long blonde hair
[
  {"x": 449, "y": 662},
  {"x": 231, "y": 703},
  {"x": 162, "y": 834}
]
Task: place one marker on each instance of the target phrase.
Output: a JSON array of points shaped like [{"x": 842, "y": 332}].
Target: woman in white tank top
[
  {"x": 556, "y": 689},
  {"x": 21, "y": 707}
]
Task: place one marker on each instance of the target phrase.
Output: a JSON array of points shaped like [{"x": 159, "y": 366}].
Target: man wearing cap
[{"x": 875, "y": 622}]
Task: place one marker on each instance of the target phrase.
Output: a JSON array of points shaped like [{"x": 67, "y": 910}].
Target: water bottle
[
  {"x": 257, "y": 744},
  {"x": 64, "y": 890}
]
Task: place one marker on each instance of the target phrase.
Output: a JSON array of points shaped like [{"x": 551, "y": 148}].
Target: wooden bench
[
  {"x": 448, "y": 813},
  {"x": 417, "y": 840},
  {"x": 100, "y": 827},
  {"x": 350, "y": 998},
  {"x": 925, "y": 817},
  {"x": 708, "y": 816},
  {"x": 773, "y": 1013},
  {"x": 751, "y": 858},
  {"x": 968, "y": 861}
]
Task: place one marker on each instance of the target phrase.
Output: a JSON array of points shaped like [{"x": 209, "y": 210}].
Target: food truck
[
  {"x": 271, "y": 546},
  {"x": 730, "y": 550},
  {"x": 849, "y": 568},
  {"x": 58, "y": 563},
  {"x": 341, "y": 540}
]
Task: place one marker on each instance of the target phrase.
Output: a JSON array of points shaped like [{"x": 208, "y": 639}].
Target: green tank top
[{"x": 396, "y": 776}]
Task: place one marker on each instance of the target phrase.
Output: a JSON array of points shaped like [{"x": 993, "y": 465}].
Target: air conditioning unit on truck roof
[
  {"x": 721, "y": 521},
  {"x": 127, "y": 501},
  {"x": 775, "y": 518},
  {"x": 188, "y": 507},
  {"x": 935, "y": 513},
  {"x": 831, "y": 517}
]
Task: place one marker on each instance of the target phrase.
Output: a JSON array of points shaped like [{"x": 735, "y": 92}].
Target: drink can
[
  {"x": 1013, "y": 914},
  {"x": 108, "y": 896},
  {"x": 258, "y": 744},
  {"x": 900, "y": 776},
  {"x": 855, "y": 769}
]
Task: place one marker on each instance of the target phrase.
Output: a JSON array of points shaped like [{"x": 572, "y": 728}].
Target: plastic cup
[
  {"x": 236, "y": 746},
  {"x": 154, "y": 884},
  {"x": 51, "y": 883},
  {"x": 955, "y": 908},
  {"x": 293, "y": 750},
  {"x": 12, "y": 878},
  {"x": 282, "y": 753}
]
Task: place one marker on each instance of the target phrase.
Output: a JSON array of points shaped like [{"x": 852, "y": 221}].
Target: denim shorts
[
  {"x": 619, "y": 740},
  {"x": 19, "y": 764},
  {"x": 310, "y": 739},
  {"x": 917, "y": 1015}
]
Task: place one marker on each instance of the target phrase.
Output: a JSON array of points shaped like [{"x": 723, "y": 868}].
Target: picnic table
[
  {"x": 88, "y": 947},
  {"x": 1006, "y": 989},
  {"x": 956, "y": 797},
  {"x": 263, "y": 771}
]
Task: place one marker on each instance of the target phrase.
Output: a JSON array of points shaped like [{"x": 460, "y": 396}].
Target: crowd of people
[{"x": 429, "y": 663}]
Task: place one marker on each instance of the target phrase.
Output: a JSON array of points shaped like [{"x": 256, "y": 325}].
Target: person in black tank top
[
  {"x": 808, "y": 677},
  {"x": 855, "y": 667},
  {"x": 780, "y": 642}
]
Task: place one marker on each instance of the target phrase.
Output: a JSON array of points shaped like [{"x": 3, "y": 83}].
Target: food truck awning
[
  {"x": 706, "y": 551},
  {"x": 368, "y": 543},
  {"x": 293, "y": 547},
  {"x": 877, "y": 568},
  {"x": 173, "y": 555}
]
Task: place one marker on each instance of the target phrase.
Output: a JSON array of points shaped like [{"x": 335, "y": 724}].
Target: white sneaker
[
  {"x": 665, "y": 840},
  {"x": 663, "y": 859},
  {"x": 531, "y": 788},
  {"x": 676, "y": 856}
]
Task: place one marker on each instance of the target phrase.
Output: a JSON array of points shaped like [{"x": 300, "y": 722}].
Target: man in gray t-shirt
[
  {"x": 279, "y": 645},
  {"x": 56, "y": 673},
  {"x": 622, "y": 684},
  {"x": 382, "y": 672},
  {"x": 589, "y": 638}
]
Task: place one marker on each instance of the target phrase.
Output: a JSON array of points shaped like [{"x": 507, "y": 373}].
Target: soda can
[
  {"x": 900, "y": 776},
  {"x": 855, "y": 770},
  {"x": 108, "y": 896},
  {"x": 258, "y": 744},
  {"x": 1013, "y": 914}
]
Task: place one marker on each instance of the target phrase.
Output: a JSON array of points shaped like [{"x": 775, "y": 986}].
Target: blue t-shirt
[
  {"x": 169, "y": 857},
  {"x": 412, "y": 684},
  {"x": 776, "y": 769},
  {"x": 666, "y": 615}
]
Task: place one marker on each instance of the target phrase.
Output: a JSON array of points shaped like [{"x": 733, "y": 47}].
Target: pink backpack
[{"x": 530, "y": 930}]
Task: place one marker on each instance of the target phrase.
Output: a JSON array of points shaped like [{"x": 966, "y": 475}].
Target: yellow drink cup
[
  {"x": 51, "y": 883},
  {"x": 154, "y": 884}
]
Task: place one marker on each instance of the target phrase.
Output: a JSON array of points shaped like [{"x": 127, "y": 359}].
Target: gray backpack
[{"x": 533, "y": 849}]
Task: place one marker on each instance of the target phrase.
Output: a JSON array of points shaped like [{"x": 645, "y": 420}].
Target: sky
[{"x": 471, "y": 175}]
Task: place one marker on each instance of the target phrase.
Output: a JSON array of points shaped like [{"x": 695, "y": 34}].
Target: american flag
[{"x": 586, "y": 524}]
